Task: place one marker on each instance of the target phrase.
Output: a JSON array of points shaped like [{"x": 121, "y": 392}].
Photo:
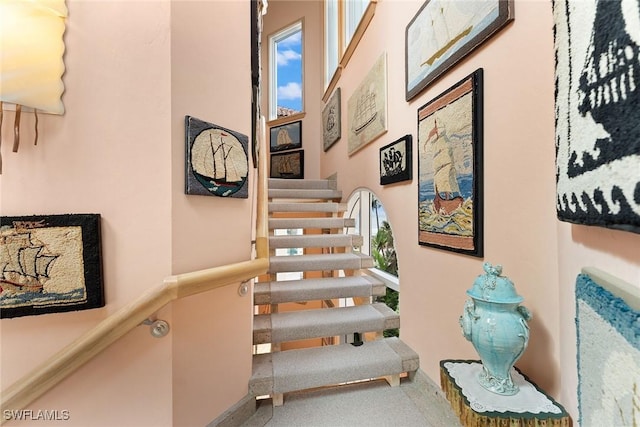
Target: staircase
[{"x": 332, "y": 268}]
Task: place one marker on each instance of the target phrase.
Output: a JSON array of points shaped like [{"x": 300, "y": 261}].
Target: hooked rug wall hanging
[
  {"x": 598, "y": 112},
  {"x": 217, "y": 160},
  {"x": 49, "y": 264},
  {"x": 608, "y": 333}
]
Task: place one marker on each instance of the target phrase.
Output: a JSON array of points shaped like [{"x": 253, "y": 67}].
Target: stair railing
[{"x": 69, "y": 359}]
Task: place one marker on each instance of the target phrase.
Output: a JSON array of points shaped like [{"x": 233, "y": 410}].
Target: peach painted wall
[
  {"x": 540, "y": 254},
  {"x": 519, "y": 214},
  {"x": 108, "y": 154},
  {"x": 134, "y": 70},
  {"x": 280, "y": 14},
  {"x": 210, "y": 80}
]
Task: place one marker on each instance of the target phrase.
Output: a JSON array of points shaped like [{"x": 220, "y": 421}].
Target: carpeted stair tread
[
  {"x": 317, "y": 289},
  {"x": 316, "y": 241},
  {"x": 302, "y": 369},
  {"x": 323, "y": 322},
  {"x": 326, "y": 207},
  {"x": 292, "y": 223},
  {"x": 301, "y": 194},
  {"x": 318, "y": 184},
  {"x": 319, "y": 262}
]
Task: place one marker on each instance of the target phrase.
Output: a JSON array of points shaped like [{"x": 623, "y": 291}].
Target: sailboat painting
[
  {"x": 449, "y": 160},
  {"x": 367, "y": 107},
  {"x": 49, "y": 264},
  {"x": 443, "y": 32},
  {"x": 288, "y": 165},
  {"x": 285, "y": 137},
  {"x": 217, "y": 160}
]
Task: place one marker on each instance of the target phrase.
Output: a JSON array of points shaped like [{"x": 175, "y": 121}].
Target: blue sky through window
[{"x": 289, "y": 56}]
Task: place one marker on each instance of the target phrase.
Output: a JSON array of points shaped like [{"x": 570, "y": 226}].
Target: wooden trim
[
  {"x": 262, "y": 215},
  {"x": 285, "y": 119},
  {"x": 332, "y": 84},
  {"x": 66, "y": 361},
  {"x": 359, "y": 33}
]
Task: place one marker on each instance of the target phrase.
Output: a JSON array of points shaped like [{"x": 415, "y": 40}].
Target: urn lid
[{"x": 493, "y": 287}]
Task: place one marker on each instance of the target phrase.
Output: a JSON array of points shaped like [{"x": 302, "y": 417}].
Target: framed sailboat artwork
[
  {"x": 443, "y": 32},
  {"x": 287, "y": 165},
  {"x": 50, "y": 264},
  {"x": 217, "y": 160},
  {"x": 285, "y": 137},
  {"x": 450, "y": 199}
]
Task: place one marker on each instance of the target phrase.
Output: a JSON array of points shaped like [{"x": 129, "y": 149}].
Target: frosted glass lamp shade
[{"x": 31, "y": 49}]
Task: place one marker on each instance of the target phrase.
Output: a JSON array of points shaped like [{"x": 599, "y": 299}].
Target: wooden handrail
[{"x": 66, "y": 361}]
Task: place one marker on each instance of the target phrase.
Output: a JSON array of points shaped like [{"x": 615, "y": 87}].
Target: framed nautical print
[
  {"x": 50, "y": 264},
  {"x": 331, "y": 121},
  {"x": 286, "y": 137},
  {"x": 396, "y": 161},
  {"x": 367, "y": 107},
  {"x": 597, "y": 79},
  {"x": 217, "y": 160},
  {"x": 287, "y": 165},
  {"x": 443, "y": 32},
  {"x": 450, "y": 201}
]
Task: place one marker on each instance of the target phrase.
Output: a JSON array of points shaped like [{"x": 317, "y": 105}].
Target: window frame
[
  {"x": 273, "y": 39},
  {"x": 345, "y": 47}
]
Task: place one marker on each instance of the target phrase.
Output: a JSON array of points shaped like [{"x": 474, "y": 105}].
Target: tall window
[
  {"x": 341, "y": 20},
  {"x": 285, "y": 76}
]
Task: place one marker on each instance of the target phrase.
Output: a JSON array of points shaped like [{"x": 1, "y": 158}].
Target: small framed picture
[
  {"x": 395, "y": 161},
  {"x": 287, "y": 165},
  {"x": 331, "y": 121},
  {"x": 286, "y": 137}
]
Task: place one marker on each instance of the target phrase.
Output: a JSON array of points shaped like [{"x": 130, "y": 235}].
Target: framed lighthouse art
[{"x": 450, "y": 169}]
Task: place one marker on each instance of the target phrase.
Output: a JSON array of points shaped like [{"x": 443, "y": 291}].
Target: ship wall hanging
[
  {"x": 331, "y": 121},
  {"x": 443, "y": 32},
  {"x": 597, "y": 110},
  {"x": 217, "y": 163},
  {"x": 50, "y": 264},
  {"x": 367, "y": 108},
  {"x": 450, "y": 201}
]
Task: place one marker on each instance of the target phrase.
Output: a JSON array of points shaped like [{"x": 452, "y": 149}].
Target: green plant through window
[{"x": 384, "y": 255}]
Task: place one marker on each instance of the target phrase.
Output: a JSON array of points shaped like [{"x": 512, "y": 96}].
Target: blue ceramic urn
[{"x": 495, "y": 322}]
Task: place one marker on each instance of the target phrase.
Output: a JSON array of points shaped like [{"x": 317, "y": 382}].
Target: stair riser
[
  {"x": 310, "y": 223},
  {"x": 287, "y": 266},
  {"x": 310, "y": 184},
  {"x": 318, "y": 294},
  {"x": 308, "y": 368},
  {"x": 308, "y": 207},
  {"x": 305, "y": 194},
  {"x": 315, "y": 241},
  {"x": 318, "y": 331},
  {"x": 317, "y": 289},
  {"x": 325, "y": 322}
]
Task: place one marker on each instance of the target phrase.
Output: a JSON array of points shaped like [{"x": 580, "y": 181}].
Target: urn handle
[
  {"x": 468, "y": 317},
  {"x": 524, "y": 312}
]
